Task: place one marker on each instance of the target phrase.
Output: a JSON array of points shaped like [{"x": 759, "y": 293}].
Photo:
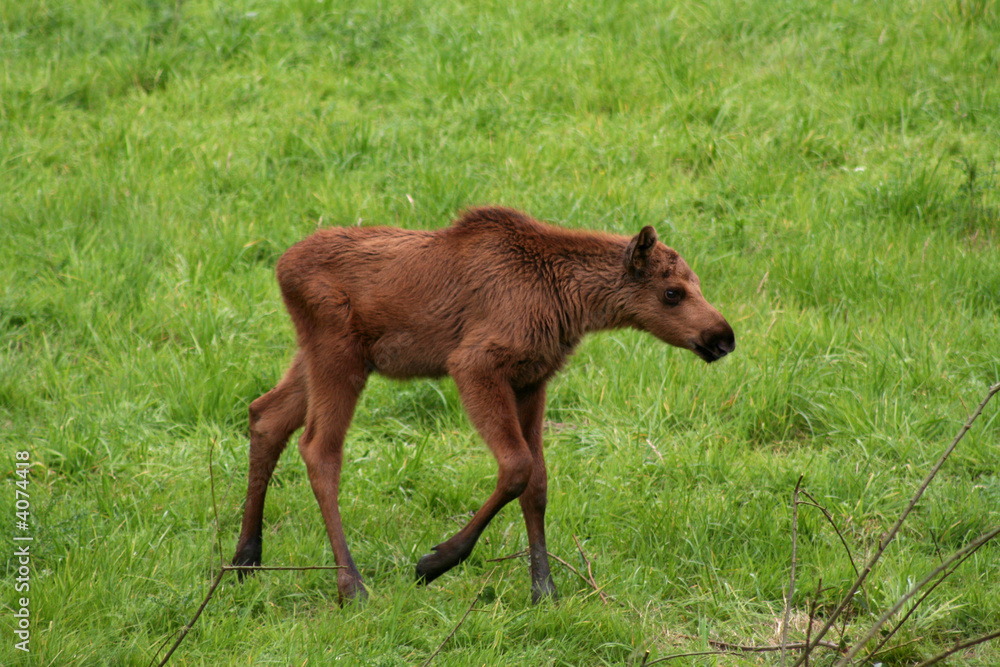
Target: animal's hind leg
[
  {"x": 530, "y": 411},
  {"x": 273, "y": 418},
  {"x": 337, "y": 376},
  {"x": 490, "y": 403}
]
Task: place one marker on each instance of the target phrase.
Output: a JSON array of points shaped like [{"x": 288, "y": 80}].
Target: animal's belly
[{"x": 405, "y": 354}]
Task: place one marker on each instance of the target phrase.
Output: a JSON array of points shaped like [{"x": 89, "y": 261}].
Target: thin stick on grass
[
  {"x": 726, "y": 647},
  {"x": 737, "y": 648},
  {"x": 829, "y": 518},
  {"x": 215, "y": 507},
  {"x": 574, "y": 571},
  {"x": 958, "y": 555},
  {"x": 590, "y": 572},
  {"x": 524, "y": 552},
  {"x": 215, "y": 584},
  {"x": 812, "y": 615},
  {"x": 277, "y": 568},
  {"x": 187, "y": 628},
  {"x": 791, "y": 582},
  {"x": 959, "y": 647},
  {"x": 518, "y": 554},
  {"x": 462, "y": 620},
  {"x": 884, "y": 543},
  {"x": 684, "y": 655},
  {"x": 590, "y": 582},
  {"x": 916, "y": 604}
]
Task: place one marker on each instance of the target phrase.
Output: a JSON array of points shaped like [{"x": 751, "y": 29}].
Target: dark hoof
[
  {"x": 430, "y": 568},
  {"x": 249, "y": 555},
  {"x": 443, "y": 558},
  {"x": 543, "y": 591},
  {"x": 352, "y": 593}
]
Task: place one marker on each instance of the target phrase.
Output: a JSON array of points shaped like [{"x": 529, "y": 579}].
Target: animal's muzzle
[{"x": 715, "y": 344}]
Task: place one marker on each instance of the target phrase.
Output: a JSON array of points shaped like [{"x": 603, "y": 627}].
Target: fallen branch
[
  {"x": 590, "y": 572},
  {"x": 215, "y": 584},
  {"x": 576, "y": 572},
  {"x": 519, "y": 554},
  {"x": 916, "y": 604},
  {"x": 726, "y": 647},
  {"x": 275, "y": 568},
  {"x": 958, "y": 555},
  {"x": 812, "y": 615},
  {"x": 959, "y": 647},
  {"x": 829, "y": 518},
  {"x": 890, "y": 536},
  {"x": 461, "y": 621},
  {"x": 683, "y": 655},
  {"x": 791, "y": 581},
  {"x": 187, "y": 628},
  {"x": 590, "y": 582},
  {"x": 737, "y": 648}
]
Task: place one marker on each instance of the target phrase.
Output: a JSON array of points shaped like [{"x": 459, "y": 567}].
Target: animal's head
[{"x": 666, "y": 300}]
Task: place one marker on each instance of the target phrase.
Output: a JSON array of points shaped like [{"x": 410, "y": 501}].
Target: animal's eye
[{"x": 673, "y": 296}]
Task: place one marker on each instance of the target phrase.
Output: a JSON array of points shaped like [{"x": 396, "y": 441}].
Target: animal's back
[{"x": 411, "y": 297}]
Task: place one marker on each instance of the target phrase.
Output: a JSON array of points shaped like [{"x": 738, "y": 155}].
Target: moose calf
[{"x": 497, "y": 301}]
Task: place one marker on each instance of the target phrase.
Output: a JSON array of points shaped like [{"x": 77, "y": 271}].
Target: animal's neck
[{"x": 593, "y": 288}]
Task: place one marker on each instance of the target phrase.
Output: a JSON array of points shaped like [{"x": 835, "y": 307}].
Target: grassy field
[{"x": 828, "y": 168}]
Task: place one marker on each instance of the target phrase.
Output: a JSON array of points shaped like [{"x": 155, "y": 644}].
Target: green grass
[{"x": 829, "y": 170}]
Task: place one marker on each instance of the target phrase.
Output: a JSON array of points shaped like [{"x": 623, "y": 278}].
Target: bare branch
[
  {"x": 684, "y": 655},
  {"x": 590, "y": 572},
  {"x": 749, "y": 648},
  {"x": 737, "y": 648},
  {"x": 884, "y": 542},
  {"x": 958, "y": 647},
  {"x": 462, "y": 620},
  {"x": 916, "y": 604},
  {"x": 276, "y": 568},
  {"x": 812, "y": 615},
  {"x": 519, "y": 554},
  {"x": 829, "y": 518},
  {"x": 958, "y": 555},
  {"x": 187, "y": 628},
  {"x": 791, "y": 582}
]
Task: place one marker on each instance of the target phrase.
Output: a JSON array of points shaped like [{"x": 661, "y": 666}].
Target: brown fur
[{"x": 497, "y": 301}]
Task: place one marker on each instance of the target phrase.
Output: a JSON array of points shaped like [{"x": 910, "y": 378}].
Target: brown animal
[{"x": 497, "y": 301}]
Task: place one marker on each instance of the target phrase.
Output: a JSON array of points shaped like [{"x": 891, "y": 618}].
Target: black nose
[
  {"x": 725, "y": 343},
  {"x": 718, "y": 343}
]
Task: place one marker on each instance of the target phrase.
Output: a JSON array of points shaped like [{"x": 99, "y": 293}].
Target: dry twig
[
  {"x": 812, "y": 615},
  {"x": 590, "y": 572},
  {"x": 517, "y": 554},
  {"x": 958, "y": 555},
  {"x": 215, "y": 584},
  {"x": 916, "y": 604},
  {"x": 187, "y": 628},
  {"x": 826, "y": 513},
  {"x": 725, "y": 648},
  {"x": 890, "y": 536},
  {"x": 791, "y": 582},
  {"x": 462, "y": 620},
  {"x": 959, "y": 647}
]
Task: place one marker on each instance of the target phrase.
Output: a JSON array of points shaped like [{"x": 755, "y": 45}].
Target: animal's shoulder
[{"x": 496, "y": 218}]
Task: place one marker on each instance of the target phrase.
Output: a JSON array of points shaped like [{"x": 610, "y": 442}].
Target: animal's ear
[{"x": 639, "y": 250}]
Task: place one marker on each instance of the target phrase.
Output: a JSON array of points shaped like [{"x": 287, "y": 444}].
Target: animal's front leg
[
  {"x": 491, "y": 405},
  {"x": 530, "y": 411}
]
